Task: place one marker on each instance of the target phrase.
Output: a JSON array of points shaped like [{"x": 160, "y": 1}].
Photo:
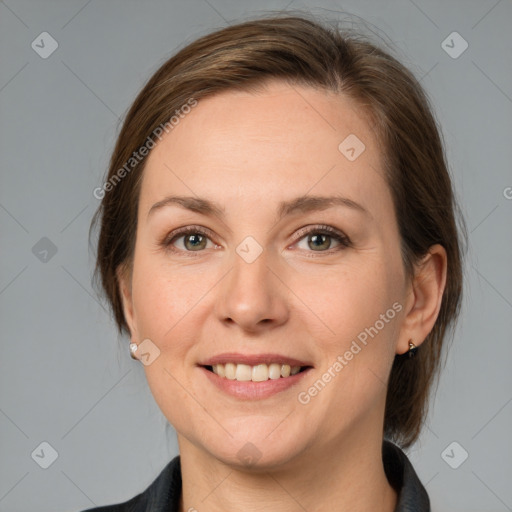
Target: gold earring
[{"x": 412, "y": 349}]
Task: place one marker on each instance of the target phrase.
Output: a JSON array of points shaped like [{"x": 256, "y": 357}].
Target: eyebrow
[{"x": 302, "y": 204}]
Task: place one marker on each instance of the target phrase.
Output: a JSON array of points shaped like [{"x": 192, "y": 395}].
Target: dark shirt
[{"x": 163, "y": 495}]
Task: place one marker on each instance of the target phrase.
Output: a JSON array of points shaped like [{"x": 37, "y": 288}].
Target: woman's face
[{"x": 293, "y": 258}]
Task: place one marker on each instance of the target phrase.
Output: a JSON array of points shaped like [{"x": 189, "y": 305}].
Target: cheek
[
  {"x": 164, "y": 301},
  {"x": 162, "y": 297},
  {"x": 360, "y": 312},
  {"x": 351, "y": 299}
]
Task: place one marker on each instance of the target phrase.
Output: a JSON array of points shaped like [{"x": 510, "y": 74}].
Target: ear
[
  {"x": 424, "y": 298},
  {"x": 124, "y": 279}
]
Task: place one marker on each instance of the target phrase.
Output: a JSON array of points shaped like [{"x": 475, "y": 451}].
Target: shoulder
[
  {"x": 412, "y": 496},
  {"x": 162, "y": 495}
]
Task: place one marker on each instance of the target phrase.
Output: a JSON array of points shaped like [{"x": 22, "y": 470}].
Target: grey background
[{"x": 65, "y": 377}]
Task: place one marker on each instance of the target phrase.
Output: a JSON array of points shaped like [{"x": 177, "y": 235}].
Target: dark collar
[
  {"x": 412, "y": 496},
  {"x": 163, "y": 495}
]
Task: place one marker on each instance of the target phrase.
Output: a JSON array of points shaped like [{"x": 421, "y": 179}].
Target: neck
[{"x": 354, "y": 480}]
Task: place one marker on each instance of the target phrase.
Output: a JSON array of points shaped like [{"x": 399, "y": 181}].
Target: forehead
[{"x": 281, "y": 141}]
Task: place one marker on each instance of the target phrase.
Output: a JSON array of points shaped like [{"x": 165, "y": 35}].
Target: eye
[
  {"x": 188, "y": 239},
  {"x": 315, "y": 239},
  {"x": 321, "y": 238}
]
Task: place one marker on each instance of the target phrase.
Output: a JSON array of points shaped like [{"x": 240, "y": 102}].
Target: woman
[{"x": 278, "y": 240}]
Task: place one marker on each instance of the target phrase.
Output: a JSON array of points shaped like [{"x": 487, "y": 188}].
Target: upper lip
[{"x": 253, "y": 360}]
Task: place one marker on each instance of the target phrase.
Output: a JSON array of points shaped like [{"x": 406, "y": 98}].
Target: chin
[{"x": 256, "y": 452}]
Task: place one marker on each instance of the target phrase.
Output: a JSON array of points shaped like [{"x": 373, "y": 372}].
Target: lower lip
[{"x": 249, "y": 390}]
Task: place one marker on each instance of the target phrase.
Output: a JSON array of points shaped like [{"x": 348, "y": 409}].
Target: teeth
[
  {"x": 258, "y": 373},
  {"x": 243, "y": 372},
  {"x": 285, "y": 370},
  {"x": 229, "y": 369},
  {"x": 274, "y": 371}
]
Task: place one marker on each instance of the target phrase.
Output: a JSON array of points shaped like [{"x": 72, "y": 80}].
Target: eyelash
[{"x": 342, "y": 239}]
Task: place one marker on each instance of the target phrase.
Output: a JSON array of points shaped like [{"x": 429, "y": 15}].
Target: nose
[{"x": 252, "y": 296}]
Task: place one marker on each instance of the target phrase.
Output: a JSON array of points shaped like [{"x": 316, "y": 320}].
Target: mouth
[
  {"x": 254, "y": 377},
  {"x": 255, "y": 373}
]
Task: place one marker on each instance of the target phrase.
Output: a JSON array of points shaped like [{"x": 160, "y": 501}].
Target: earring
[
  {"x": 133, "y": 349},
  {"x": 412, "y": 349}
]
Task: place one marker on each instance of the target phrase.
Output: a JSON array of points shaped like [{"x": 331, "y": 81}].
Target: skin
[{"x": 248, "y": 151}]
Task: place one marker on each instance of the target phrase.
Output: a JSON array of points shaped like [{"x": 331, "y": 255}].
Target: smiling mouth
[{"x": 256, "y": 373}]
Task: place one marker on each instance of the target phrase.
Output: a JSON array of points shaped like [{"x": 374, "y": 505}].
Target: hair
[{"x": 301, "y": 51}]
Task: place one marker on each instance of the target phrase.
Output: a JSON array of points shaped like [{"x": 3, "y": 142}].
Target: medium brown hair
[{"x": 302, "y": 51}]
